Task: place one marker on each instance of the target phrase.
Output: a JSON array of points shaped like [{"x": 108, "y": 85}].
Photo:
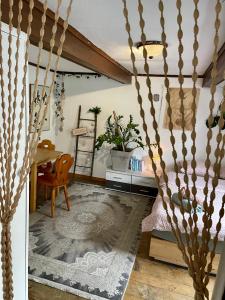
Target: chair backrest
[
  {"x": 46, "y": 144},
  {"x": 62, "y": 166}
]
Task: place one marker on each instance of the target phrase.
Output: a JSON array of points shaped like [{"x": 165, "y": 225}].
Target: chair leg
[
  {"x": 53, "y": 203},
  {"x": 46, "y": 192},
  {"x": 66, "y": 197},
  {"x": 57, "y": 191}
]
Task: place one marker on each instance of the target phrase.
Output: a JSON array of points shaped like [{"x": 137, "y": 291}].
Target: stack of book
[{"x": 136, "y": 165}]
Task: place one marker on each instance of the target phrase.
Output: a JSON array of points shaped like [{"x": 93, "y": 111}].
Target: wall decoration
[
  {"x": 59, "y": 101},
  {"x": 175, "y": 106},
  {"x": 38, "y": 103}
]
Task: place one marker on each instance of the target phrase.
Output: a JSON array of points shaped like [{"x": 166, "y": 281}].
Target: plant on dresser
[{"x": 123, "y": 138}]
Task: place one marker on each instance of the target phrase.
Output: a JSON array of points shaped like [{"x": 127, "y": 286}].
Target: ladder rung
[
  {"x": 84, "y": 151},
  {"x": 86, "y": 136},
  {"x": 87, "y": 120},
  {"x": 83, "y": 167}
]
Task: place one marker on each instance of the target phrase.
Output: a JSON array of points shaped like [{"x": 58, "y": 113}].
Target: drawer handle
[
  {"x": 144, "y": 191},
  {"x": 117, "y": 177},
  {"x": 118, "y": 186}
]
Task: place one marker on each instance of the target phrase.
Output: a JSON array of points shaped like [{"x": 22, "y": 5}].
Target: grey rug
[{"x": 89, "y": 251}]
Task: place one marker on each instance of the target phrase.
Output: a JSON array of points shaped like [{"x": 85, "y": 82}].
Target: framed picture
[
  {"x": 40, "y": 102},
  {"x": 175, "y": 106}
]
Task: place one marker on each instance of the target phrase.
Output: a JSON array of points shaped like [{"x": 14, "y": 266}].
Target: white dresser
[{"x": 132, "y": 182}]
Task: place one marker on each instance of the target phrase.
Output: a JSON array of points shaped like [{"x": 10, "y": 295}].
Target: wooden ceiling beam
[
  {"x": 207, "y": 79},
  {"x": 77, "y": 48}
]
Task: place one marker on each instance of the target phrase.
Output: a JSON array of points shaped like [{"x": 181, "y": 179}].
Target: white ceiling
[{"x": 102, "y": 22}]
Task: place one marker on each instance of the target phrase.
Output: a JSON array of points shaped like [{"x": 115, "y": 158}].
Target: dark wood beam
[
  {"x": 77, "y": 48},
  {"x": 220, "y": 69}
]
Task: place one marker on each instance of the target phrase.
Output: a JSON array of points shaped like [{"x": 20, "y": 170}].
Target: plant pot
[{"x": 120, "y": 160}]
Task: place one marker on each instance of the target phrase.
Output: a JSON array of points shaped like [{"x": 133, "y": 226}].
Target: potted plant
[{"x": 123, "y": 138}]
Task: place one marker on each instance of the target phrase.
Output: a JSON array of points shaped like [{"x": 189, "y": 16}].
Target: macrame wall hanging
[
  {"x": 13, "y": 86},
  {"x": 194, "y": 245}
]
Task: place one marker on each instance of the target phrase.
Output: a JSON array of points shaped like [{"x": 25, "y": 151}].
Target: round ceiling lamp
[{"x": 154, "y": 48}]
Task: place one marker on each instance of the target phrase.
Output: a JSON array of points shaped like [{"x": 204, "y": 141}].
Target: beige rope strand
[
  {"x": 40, "y": 46},
  {"x": 175, "y": 231},
  {"x": 32, "y": 137},
  {"x": 4, "y": 146},
  {"x": 194, "y": 109},
  {"x": 204, "y": 248},
  {"x": 169, "y": 112},
  {"x": 198, "y": 284},
  {"x": 59, "y": 52},
  {"x": 218, "y": 226},
  {"x": 43, "y": 21},
  {"x": 9, "y": 119},
  {"x": 6, "y": 219},
  {"x": 148, "y": 82},
  {"x": 52, "y": 44},
  {"x": 20, "y": 5},
  {"x": 219, "y": 154}
]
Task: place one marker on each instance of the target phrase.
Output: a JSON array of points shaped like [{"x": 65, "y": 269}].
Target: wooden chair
[
  {"x": 57, "y": 179},
  {"x": 46, "y": 168}
]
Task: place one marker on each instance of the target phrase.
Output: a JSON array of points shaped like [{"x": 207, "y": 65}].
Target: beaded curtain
[
  {"x": 13, "y": 175},
  {"x": 195, "y": 245}
]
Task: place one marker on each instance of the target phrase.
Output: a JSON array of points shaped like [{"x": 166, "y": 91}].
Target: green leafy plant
[
  {"x": 121, "y": 137},
  {"x": 96, "y": 110}
]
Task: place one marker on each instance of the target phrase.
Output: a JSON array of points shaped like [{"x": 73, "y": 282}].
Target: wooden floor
[{"x": 150, "y": 280}]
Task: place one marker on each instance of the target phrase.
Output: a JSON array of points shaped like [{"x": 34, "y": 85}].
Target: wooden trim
[
  {"x": 79, "y": 73},
  {"x": 41, "y": 67},
  {"x": 170, "y": 75},
  {"x": 88, "y": 179},
  {"x": 220, "y": 69},
  {"x": 77, "y": 48},
  {"x": 66, "y": 73}
]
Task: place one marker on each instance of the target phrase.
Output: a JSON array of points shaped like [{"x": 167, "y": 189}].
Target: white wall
[
  {"x": 50, "y": 134},
  {"x": 110, "y": 95}
]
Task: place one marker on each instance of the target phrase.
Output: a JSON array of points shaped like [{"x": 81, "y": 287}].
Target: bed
[{"x": 161, "y": 236}]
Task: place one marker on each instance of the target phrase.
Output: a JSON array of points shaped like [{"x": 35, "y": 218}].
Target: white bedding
[{"x": 158, "y": 219}]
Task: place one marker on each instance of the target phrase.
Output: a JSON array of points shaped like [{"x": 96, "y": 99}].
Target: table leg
[{"x": 33, "y": 191}]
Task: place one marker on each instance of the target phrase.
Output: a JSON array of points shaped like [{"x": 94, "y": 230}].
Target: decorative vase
[{"x": 120, "y": 160}]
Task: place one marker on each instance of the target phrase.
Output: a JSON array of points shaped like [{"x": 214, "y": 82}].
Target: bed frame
[{"x": 168, "y": 252}]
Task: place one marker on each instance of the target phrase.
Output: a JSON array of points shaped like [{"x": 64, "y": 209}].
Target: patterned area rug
[{"x": 90, "y": 250}]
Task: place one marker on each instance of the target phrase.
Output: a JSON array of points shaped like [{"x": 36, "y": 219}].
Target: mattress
[{"x": 157, "y": 220}]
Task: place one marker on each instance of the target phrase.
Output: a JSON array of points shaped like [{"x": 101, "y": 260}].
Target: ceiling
[{"x": 102, "y": 22}]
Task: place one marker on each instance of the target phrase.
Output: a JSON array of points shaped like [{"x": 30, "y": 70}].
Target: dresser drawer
[
  {"x": 144, "y": 190},
  {"x": 121, "y": 186},
  {"x": 144, "y": 181},
  {"x": 111, "y": 176}
]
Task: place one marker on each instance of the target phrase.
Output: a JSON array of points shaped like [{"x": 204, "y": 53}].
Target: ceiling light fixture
[{"x": 154, "y": 48}]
